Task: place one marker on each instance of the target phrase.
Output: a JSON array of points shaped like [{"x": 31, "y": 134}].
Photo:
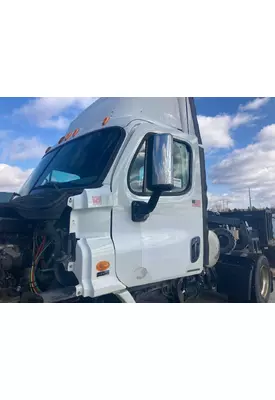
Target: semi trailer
[{"x": 116, "y": 211}]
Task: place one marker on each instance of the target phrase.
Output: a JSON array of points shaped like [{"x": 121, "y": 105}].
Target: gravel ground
[
  {"x": 216, "y": 298},
  {"x": 272, "y": 297}
]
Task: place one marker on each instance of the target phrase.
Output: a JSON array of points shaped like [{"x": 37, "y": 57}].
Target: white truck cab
[
  {"x": 117, "y": 207},
  {"x": 108, "y": 144}
]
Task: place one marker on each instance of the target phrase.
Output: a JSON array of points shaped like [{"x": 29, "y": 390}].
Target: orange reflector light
[
  {"x": 61, "y": 139},
  {"x": 105, "y": 121},
  {"x": 102, "y": 266},
  {"x": 48, "y": 149},
  {"x": 75, "y": 132},
  {"x": 69, "y": 134}
]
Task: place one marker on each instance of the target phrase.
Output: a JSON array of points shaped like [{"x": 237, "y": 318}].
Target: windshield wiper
[
  {"x": 49, "y": 185},
  {"x": 15, "y": 195}
]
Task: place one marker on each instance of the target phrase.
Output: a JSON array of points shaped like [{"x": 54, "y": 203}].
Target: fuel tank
[{"x": 214, "y": 249}]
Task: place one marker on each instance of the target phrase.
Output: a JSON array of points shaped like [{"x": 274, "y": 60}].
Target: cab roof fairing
[{"x": 169, "y": 112}]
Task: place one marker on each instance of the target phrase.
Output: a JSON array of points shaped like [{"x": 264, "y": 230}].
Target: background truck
[
  {"x": 246, "y": 239},
  {"x": 116, "y": 211}
]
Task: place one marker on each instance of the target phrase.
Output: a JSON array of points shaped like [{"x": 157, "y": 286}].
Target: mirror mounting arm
[
  {"x": 142, "y": 210},
  {"x": 159, "y": 174}
]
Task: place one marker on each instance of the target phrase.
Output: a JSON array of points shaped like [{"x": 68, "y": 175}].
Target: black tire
[
  {"x": 226, "y": 239},
  {"x": 261, "y": 281}
]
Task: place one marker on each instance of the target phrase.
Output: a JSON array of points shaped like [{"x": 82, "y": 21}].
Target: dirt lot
[
  {"x": 272, "y": 298},
  {"x": 215, "y": 298}
]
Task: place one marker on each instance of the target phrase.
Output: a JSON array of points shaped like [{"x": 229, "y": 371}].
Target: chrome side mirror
[
  {"x": 159, "y": 168},
  {"x": 159, "y": 174}
]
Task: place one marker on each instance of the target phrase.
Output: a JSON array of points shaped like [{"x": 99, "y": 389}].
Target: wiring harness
[{"x": 38, "y": 251}]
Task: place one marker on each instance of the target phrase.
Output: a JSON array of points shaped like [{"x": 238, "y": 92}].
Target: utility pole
[{"x": 250, "y": 203}]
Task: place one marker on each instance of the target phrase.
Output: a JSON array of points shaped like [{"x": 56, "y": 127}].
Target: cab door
[{"x": 169, "y": 244}]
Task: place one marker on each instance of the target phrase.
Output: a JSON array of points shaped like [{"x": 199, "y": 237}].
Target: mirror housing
[
  {"x": 159, "y": 166},
  {"x": 159, "y": 174}
]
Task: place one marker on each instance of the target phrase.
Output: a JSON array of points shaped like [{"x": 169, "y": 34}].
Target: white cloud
[
  {"x": 4, "y": 133},
  {"x": 61, "y": 123},
  {"x": 22, "y": 149},
  {"x": 217, "y": 131},
  {"x": 252, "y": 166},
  {"x": 12, "y": 178},
  {"x": 255, "y": 104},
  {"x": 228, "y": 200},
  {"x": 47, "y": 111},
  {"x": 242, "y": 119}
]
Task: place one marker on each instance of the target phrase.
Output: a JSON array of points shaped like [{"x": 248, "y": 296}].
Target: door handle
[{"x": 195, "y": 249}]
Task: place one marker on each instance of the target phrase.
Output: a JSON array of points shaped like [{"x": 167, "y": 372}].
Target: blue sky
[{"x": 238, "y": 134}]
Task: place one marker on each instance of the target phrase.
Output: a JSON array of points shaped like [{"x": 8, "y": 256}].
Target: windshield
[{"x": 82, "y": 162}]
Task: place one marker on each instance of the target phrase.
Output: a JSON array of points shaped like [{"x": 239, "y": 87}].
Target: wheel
[
  {"x": 262, "y": 281},
  {"x": 226, "y": 239}
]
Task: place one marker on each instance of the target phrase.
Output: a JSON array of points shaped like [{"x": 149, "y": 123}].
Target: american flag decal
[{"x": 196, "y": 203}]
